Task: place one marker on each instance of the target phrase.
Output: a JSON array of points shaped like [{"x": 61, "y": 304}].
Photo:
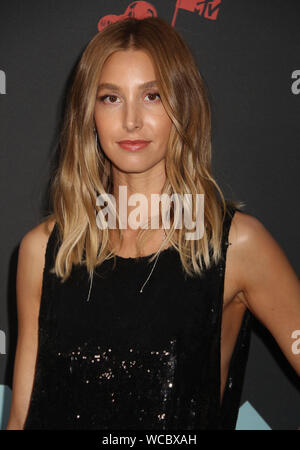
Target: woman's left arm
[{"x": 270, "y": 285}]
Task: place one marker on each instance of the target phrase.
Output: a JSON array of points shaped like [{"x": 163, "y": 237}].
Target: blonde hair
[{"x": 84, "y": 172}]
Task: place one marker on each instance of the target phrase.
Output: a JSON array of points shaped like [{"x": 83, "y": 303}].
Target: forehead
[{"x": 131, "y": 64}]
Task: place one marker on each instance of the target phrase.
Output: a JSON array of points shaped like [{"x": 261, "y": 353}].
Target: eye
[
  {"x": 107, "y": 96},
  {"x": 153, "y": 94}
]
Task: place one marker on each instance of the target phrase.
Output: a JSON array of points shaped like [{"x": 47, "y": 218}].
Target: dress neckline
[{"x": 143, "y": 258}]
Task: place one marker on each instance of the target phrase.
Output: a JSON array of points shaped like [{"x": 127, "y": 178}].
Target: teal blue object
[
  {"x": 5, "y": 401},
  {"x": 249, "y": 419}
]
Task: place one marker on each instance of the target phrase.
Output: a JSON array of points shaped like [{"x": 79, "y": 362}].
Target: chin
[{"x": 132, "y": 166}]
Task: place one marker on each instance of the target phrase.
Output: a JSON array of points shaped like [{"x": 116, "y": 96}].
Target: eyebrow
[{"x": 148, "y": 84}]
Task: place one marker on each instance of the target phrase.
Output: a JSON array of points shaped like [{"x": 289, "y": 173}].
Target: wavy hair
[{"x": 84, "y": 172}]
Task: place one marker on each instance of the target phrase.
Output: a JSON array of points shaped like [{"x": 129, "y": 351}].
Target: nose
[{"x": 132, "y": 116}]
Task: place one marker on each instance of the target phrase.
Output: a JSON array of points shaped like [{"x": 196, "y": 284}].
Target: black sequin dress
[{"x": 131, "y": 360}]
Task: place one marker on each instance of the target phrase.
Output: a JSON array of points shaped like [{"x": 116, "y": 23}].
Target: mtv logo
[{"x": 208, "y": 9}]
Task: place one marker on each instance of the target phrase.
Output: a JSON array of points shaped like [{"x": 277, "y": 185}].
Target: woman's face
[{"x": 130, "y": 111}]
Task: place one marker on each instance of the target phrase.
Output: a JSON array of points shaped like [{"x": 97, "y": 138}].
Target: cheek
[
  {"x": 102, "y": 120},
  {"x": 165, "y": 128},
  {"x": 160, "y": 123},
  {"x": 107, "y": 127}
]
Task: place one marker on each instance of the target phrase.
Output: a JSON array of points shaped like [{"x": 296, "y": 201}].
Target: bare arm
[
  {"x": 31, "y": 260},
  {"x": 270, "y": 286}
]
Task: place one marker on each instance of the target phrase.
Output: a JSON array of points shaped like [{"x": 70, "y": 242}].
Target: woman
[{"x": 141, "y": 328}]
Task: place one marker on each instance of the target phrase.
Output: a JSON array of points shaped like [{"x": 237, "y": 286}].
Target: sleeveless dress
[{"x": 131, "y": 360}]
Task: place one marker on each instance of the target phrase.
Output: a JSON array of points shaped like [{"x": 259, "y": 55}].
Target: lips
[{"x": 133, "y": 145}]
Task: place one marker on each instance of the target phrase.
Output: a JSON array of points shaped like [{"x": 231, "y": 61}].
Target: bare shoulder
[
  {"x": 34, "y": 242},
  {"x": 246, "y": 230},
  {"x": 247, "y": 238},
  {"x": 252, "y": 241},
  {"x": 256, "y": 258},
  {"x": 31, "y": 261}
]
